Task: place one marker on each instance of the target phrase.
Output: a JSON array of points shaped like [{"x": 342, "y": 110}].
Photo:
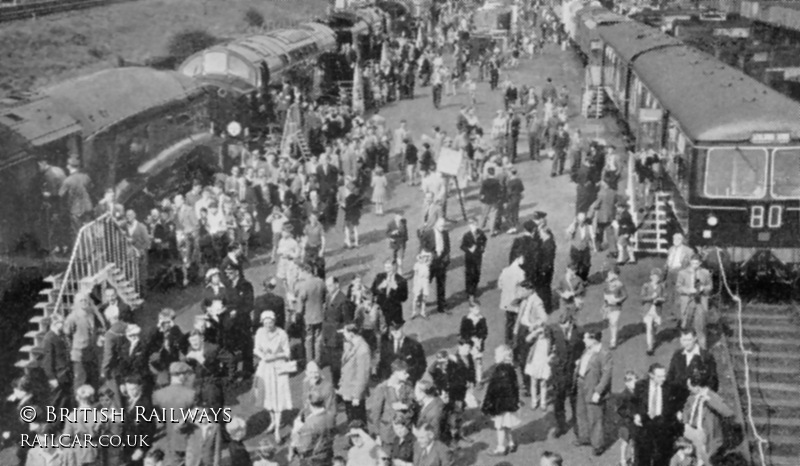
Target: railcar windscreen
[
  {"x": 215, "y": 63},
  {"x": 734, "y": 172},
  {"x": 786, "y": 173}
]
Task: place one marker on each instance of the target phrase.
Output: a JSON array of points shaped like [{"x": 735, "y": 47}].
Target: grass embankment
[{"x": 34, "y": 53}]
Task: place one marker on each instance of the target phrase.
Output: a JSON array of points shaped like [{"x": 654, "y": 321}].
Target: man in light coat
[
  {"x": 702, "y": 417},
  {"x": 311, "y": 294},
  {"x": 83, "y": 328},
  {"x": 593, "y": 383},
  {"x": 356, "y": 369},
  {"x": 694, "y": 286}
]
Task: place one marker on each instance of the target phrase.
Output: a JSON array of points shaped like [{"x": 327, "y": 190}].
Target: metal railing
[{"x": 99, "y": 244}]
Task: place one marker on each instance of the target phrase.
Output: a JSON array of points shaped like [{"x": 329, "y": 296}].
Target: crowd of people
[{"x": 400, "y": 410}]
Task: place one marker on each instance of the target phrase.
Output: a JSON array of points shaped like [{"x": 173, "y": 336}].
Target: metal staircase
[
  {"x": 594, "y": 102},
  {"x": 651, "y": 218},
  {"x": 651, "y": 236},
  {"x": 293, "y": 134},
  {"x": 102, "y": 255}
]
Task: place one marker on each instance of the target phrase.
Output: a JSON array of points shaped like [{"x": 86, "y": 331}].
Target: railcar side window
[
  {"x": 736, "y": 173},
  {"x": 240, "y": 69},
  {"x": 786, "y": 173}
]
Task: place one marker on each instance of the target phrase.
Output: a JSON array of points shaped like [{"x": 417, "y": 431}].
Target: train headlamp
[
  {"x": 712, "y": 220},
  {"x": 234, "y": 129}
]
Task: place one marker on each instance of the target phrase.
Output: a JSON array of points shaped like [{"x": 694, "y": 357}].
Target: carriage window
[
  {"x": 736, "y": 173},
  {"x": 786, "y": 173}
]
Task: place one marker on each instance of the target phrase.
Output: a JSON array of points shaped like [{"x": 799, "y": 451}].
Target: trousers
[
  {"x": 588, "y": 419},
  {"x": 313, "y": 342}
]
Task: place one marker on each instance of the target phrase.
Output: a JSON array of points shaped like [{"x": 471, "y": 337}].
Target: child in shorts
[{"x": 421, "y": 288}]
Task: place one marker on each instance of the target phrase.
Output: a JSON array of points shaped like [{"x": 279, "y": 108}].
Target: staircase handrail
[{"x": 131, "y": 273}]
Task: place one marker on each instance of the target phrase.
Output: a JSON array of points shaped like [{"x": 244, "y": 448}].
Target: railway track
[
  {"x": 771, "y": 336},
  {"x": 36, "y": 9}
]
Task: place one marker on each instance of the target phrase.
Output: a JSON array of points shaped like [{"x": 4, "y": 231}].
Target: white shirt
[
  {"x": 656, "y": 402},
  {"x": 690, "y": 354},
  {"x": 675, "y": 258},
  {"x": 439, "y": 242},
  {"x": 508, "y": 282}
]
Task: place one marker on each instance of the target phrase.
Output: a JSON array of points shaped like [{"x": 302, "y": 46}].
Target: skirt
[
  {"x": 506, "y": 421},
  {"x": 272, "y": 390},
  {"x": 538, "y": 365}
]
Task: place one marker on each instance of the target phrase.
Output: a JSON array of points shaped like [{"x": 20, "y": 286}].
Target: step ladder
[
  {"x": 102, "y": 255},
  {"x": 293, "y": 134},
  {"x": 594, "y": 101},
  {"x": 651, "y": 236}
]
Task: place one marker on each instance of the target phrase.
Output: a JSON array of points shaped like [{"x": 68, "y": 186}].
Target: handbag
[{"x": 287, "y": 367}]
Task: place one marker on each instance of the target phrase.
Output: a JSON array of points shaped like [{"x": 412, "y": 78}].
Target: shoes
[
  {"x": 503, "y": 452},
  {"x": 597, "y": 451},
  {"x": 650, "y": 352},
  {"x": 578, "y": 443},
  {"x": 511, "y": 231},
  {"x": 512, "y": 448}
]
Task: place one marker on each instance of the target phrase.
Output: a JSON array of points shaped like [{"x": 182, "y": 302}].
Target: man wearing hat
[
  {"x": 593, "y": 385},
  {"x": 75, "y": 191},
  {"x": 271, "y": 301},
  {"x": 390, "y": 289},
  {"x": 567, "y": 346},
  {"x": 694, "y": 286},
  {"x": 176, "y": 396}
]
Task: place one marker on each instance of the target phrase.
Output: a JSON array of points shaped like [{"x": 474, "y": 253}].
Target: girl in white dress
[
  {"x": 288, "y": 251},
  {"x": 379, "y": 188},
  {"x": 538, "y": 361},
  {"x": 421, "y": 288},
  {"x": 271, "y": 382}
]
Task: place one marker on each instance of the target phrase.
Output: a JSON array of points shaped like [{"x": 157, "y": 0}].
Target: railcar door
[{"x": 650, "y": 131}]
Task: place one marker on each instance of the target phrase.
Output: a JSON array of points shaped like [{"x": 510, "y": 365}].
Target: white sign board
[{"x": 449, "y": 162}]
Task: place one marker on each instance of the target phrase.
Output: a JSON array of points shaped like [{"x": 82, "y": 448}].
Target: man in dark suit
[
  {"x": 391, "y": 291},
  {"x": 328, "y": 178},
  {"x": 473, "y": 243},
  {"x": 527, "y": 245},
  {"x": 56, "y": 363},
  {"x": 685, "y": 361},
  {"x": 270, "y": 301},
  {"x": 397, "y": 345},
  {"x": 241, "y": 304},
  {"x": 654, "y": 414},
  {"x": 111, "y": 366},
  {"x": 165, "y": 345},
  {"x": 314, "y": 440},
  {"x": 210, "y": 364},
  {"x": 491, "y": 197},
  {"x": 543, "y": 283},
  {"x": 176, "y": 396},
  {"x": 593, "y": 381},
  {"x": 437, "y": 242},
  {"x": 310, "y": 304},
  {"x": 431, "y": 408},
  {"x": 338, "y": 311},
  {"x": 205, "y": 441},
  {"x": 567, "y": 344},
  {"x": 136, "y": 401},
  {"x": 428, "y": 451},
  {"x": 133, "y": 356}
]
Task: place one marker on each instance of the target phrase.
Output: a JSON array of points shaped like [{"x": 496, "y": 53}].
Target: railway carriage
[{"x": 732, "y": 144}]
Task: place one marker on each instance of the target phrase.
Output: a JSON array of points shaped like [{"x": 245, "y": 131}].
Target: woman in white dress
[
  {"x": 272, "y": 381},
  {"x": 538, "y": 362},
  {"x": 288, "y": 251}
]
